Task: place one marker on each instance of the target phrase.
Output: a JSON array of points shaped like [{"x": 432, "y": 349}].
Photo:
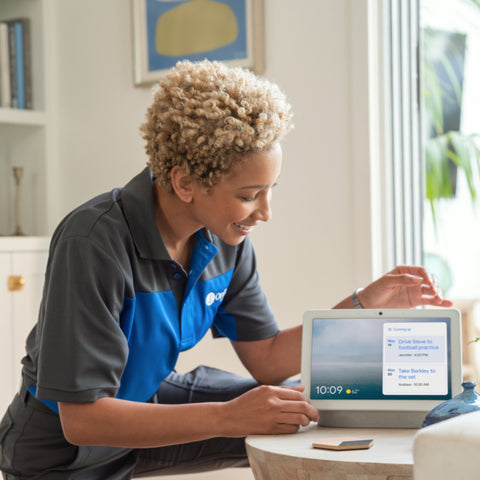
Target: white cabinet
[
  {"x": 22, "y": 271},
  {"x": 26, "y": 136}
]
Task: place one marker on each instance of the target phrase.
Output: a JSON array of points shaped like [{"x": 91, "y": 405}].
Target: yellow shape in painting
[{"x": 195, "y": 27}]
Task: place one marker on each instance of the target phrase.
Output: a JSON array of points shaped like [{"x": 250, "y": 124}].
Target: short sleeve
[
  {"x": 82, "y": 350},
  {"x": 245, "y": 314}
]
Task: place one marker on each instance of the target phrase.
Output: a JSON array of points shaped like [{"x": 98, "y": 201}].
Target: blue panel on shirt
[
  {"x": 152, "y": 342},
  {"x": 225, "y": 323},
  {"x": 155, "y": 337},
  {"x": 200, "y": 307}
]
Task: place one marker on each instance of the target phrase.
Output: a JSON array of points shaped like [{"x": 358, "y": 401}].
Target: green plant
[
  {"x": 446, "y": 148},
  {"x": 441, "y": 153}
]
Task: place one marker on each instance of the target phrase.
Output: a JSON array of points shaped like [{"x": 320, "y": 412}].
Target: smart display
[{"x": 380, "y": 368}]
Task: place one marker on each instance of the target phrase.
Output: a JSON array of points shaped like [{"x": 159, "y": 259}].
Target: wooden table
[{"x": 292, "y": 457}]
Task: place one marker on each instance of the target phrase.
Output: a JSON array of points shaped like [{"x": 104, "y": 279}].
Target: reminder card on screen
[{"x": 415, "y": 358}]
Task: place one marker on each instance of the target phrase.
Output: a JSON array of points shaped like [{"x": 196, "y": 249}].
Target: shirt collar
[
  {"x": 138, "y": 201},
  {"x": 139, "y": 206}
]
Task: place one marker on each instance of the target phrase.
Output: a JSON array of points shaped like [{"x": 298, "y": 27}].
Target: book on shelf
[
  {"x": 27, "y": 64},
  {"x": 5, "y": 95},
  {"x": 12, "y": 58},
  {"x": 15, "y": 64}
]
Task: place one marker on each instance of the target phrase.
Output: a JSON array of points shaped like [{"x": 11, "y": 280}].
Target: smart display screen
[{"x": 381, "y": 358}]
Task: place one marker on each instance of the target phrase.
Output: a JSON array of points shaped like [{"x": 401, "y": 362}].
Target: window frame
[{"x": 387, "y": 150}]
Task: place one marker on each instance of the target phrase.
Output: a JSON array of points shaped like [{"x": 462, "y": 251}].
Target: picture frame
[{"x": 168, "y": 31}]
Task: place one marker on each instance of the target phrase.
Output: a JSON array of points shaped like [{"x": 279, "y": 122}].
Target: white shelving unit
[
  {"x": 26, "y": 136},
  {"x": 26, "y": 140},
  {"x": 12, "y": 116}
]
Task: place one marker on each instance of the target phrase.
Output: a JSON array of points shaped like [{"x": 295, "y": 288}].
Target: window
[
  {"x": 431, "y": 77},
  {"x": 450, "y": 74}
]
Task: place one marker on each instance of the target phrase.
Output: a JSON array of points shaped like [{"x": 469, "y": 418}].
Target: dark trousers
[{"x": 32, "y": 445}]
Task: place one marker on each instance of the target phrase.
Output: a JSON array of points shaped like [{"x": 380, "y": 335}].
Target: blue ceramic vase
[{"x": 465, "y": 402}]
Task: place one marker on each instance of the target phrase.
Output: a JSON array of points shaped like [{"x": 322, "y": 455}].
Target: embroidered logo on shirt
[{"x": 214, "y": 297}]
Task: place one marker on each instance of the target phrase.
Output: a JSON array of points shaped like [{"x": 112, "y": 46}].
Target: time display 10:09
[{"x": 328, "y": 389}]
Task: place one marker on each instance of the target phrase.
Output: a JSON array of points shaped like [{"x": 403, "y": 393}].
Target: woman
[{"x": 139, "y": 274}]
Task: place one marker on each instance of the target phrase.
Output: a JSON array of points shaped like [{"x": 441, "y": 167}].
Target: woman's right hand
[{"x": 268, "y": 410}]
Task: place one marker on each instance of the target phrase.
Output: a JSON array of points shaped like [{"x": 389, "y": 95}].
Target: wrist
[
  {"x": 356, "y": 300},
  {"x": 225, "y": 419}
]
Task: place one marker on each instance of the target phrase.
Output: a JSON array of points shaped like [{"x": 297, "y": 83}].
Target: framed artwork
[{"x": 167, "y": 31}]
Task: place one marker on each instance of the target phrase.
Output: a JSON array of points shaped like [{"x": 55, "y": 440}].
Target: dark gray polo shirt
[{"x": 117, "y": 310}]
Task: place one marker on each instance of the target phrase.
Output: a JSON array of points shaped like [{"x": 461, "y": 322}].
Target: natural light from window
[{"x": 452, "y": 229}]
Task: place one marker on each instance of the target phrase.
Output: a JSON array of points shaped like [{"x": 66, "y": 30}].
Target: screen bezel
[{"x": 404, "y": 404}]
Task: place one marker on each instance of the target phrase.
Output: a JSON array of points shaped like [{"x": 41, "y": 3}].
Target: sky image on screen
[{"x": 380, "y": 358}]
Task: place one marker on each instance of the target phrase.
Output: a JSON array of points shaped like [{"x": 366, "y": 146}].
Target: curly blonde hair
[{"x": 205, "y": 114}]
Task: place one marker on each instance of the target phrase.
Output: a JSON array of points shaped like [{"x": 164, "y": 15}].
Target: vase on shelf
[{"x": 17, "y": 174}]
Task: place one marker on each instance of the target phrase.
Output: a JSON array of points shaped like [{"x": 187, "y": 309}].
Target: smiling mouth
[{"x": 246, "y": 228}]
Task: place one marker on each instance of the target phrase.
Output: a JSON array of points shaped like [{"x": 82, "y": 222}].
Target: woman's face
[{"x": 240, "y": 201}]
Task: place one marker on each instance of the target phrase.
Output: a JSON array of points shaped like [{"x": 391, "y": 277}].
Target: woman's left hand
[{"x": 403, "y": 287}]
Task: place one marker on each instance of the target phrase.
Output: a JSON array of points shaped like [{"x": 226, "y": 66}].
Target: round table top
[{"x": 278, "y": 456}]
